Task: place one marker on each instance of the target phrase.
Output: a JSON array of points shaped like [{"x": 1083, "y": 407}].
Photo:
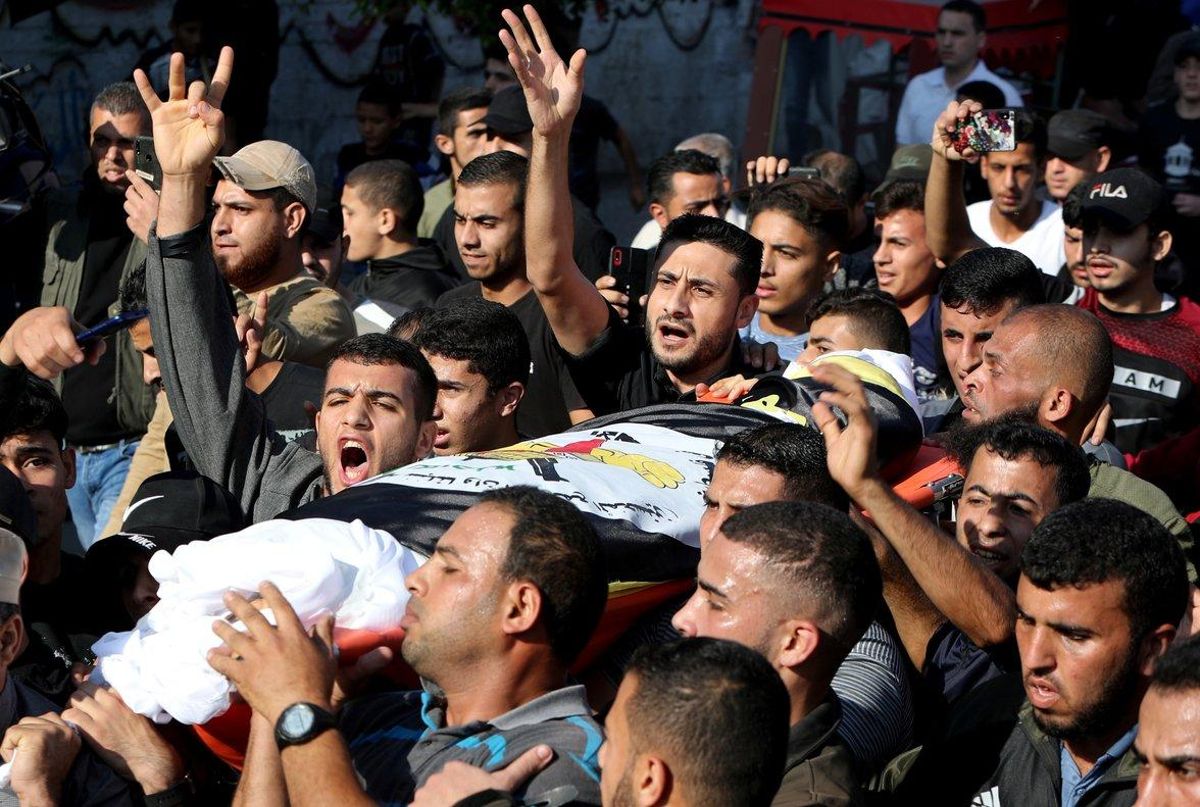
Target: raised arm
[
  {"x": 222, "y": 425},
  {"x": 553, "y": 92},
  {"x": 965, "y": 591},
  {"x": 947, "y": 228}
]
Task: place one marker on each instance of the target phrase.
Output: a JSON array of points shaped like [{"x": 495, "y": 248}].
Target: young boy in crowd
[
  {"x": 381, "y": 205},
  {"x": 907, "y": 269},
  {"x": 378, "y": 114},
  {"x": 802, "y": 223},
  {"x": 1156, "y": 337}
]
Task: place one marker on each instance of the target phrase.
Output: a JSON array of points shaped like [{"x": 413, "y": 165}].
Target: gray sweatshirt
[{"x": 222, "y": 424}]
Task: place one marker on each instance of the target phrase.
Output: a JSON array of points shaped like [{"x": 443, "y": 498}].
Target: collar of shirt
[
  {"x": 669, "y": 393},
  {"x": 979, "y": 72},
  {"x": 814, "y": 731},
  {"x": 1075, "y": 785},
  {"x": 569, "y": 701}
]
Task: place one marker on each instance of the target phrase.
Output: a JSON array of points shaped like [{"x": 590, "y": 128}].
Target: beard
[
  {"x": 256, "y": 264},
  {"x": 703, "y": 351},
  {"x": 1103, "y": 713}
]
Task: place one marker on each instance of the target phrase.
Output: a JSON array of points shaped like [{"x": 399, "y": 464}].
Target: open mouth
[
  {"x": 1041, "y": 694},
  {"x": 988, "y": 556},
  {"x": 442, "y": 439},
  {"x": 671, "y": 333},
  {"x": 352, "y": 462}
]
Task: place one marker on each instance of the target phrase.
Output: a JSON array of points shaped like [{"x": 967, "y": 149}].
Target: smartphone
[
  {"x": 145, "y": 162},
  {"x": 111, "y": 325},
  {"x": 986, "y": 131},
  {"x": 804, "y": 171},
  {"x": 629, "y": 266}
]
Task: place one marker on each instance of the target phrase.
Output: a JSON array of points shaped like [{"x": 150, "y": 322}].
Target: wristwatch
[{"x": 301, "y": 722}]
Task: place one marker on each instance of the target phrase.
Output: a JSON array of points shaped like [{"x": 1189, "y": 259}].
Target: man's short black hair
[
  {"x": 1098, "y": 540},
  {"x": 497, "y": 168},
  {"x": 987, "y": 279},
  {"x": 1030, "y": 127},
  {"x": 795, "y": 452},
  {"x": 379, "y": 92},
  {"x": 874, "y": 315},
  {"x": 1178, "y": 670},
  {"x": 33, "y": 406},
  {"x": 984, "y": 92},
  {"x": 553, "y": 546},
  {"x": 811, "y": 203},
  {"x": 899, "y": 195},
  {"x": 729, "y": 238},
  {"x": 841, "y": 171},
  {"x": 121, "y": 98},
  {"x": 410, "y": 322},
  {"x": 132, "y": 294},
  {"x": 393, "y": 184},
  {"x": 978, "y": 15},
  {"x": 718, "y": 712},
  {"x": 660, "y": 184},
  {"x": 459, "y": 101},
  {"x": 1072, "y": 206},
  {"x": 378, "y": 348},
  {"x": 825, "y": 558},
  {"x": 485, "y": 334},
  {"x": 1015, "y": 439}
]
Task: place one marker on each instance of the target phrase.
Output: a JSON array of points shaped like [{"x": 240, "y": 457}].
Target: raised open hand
[
  {"x": 553, "y": 88},
  {"x": 189, "y": 126}
]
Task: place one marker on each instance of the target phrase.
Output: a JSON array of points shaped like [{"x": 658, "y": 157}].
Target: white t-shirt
[
  {"x": 927, "y": 95},
  {"x": 1042, "y": 243}
]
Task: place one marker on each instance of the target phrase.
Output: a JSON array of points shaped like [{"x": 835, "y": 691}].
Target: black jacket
[
  {"x": 410, "y": 280},
  {"x": 1003, "y": 765}
]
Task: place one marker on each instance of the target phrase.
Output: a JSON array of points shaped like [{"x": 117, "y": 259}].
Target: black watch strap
[
  {"x": 318, "y": 722},
  {"x": 180, "y": 794}
]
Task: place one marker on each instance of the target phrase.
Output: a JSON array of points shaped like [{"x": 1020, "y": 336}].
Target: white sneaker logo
[{"x": 136, "y": 505}]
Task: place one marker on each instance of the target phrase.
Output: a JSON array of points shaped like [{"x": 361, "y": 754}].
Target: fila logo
[
  {"x": 1107, "y": 191},
  {"x": 988, "y": 798}
]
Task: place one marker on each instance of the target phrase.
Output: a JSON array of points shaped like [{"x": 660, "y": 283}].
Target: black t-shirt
[
  {"x": 91, "y": 417},
  {"x": 592, "y": 242},
  {"x": 1169, "y": 149},
  {"x": 593, "y": 124},
  {"x": 61, "y": 621},
  {"x": 409, "y": 63},
  {"x": 550, "y": 393},
  {"x": 619, "y": 371},
  {"x": 352, "y": 155},
  {"x": 285, "y": 396}
]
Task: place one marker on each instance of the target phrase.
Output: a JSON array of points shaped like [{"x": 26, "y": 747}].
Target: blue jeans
[{"x": 99, "y": 476}]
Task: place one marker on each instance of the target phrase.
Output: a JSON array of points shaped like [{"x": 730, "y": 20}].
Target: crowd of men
[{"x": 1027, "y": 638}]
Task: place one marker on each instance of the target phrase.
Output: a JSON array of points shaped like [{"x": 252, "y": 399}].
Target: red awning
[{"x": 1017, "y": 37}]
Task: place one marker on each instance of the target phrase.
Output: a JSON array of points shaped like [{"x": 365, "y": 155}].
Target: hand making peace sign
[{"x": 189, "y": 126}]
